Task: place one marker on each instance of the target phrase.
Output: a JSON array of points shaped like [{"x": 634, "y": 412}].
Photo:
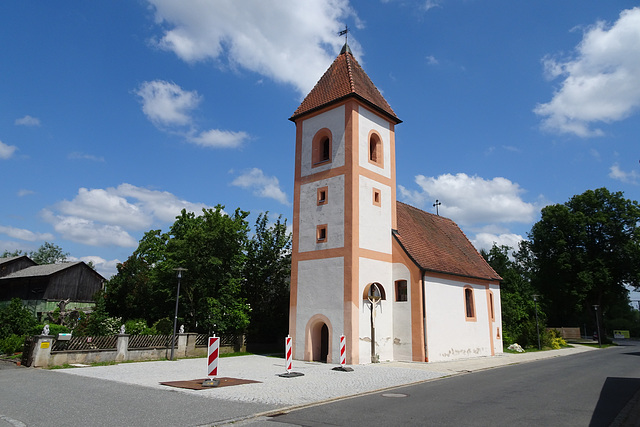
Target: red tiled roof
[
  {"x": 344, "y": 78},
  {"x": 437, "y": 244}
]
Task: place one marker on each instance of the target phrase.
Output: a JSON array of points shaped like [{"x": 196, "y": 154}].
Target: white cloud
[
  {"x": 162, "y": 205},
  {"x": 261, "y": 185},
  {"x": 284, "y": 40},
  {"x": 27, "y": 121},
  {"x": 431, "y": 60},
  {"x": 487, "y": 240},
  {"x": 22, "y": 234},
  {"x": 106, "y": 268},
  {"x": 24, "y": 192},
  {"x": 101, "y": 217},
  {"x": 88, "y": 232},
  {"x": 430, "y": 4},
  {"x": 219, "y": 138},
  {"x": 167, "y": 104},
  {"x": 601, "y": 82},
  {"x": 6, "y": 151},
  {"x": 169, "y": 108},
  {"x": 81, "y": 156},
  {"x": 632, "y": 177},
  {"x": 471, "y": 200},
  {"x": 106, "y": 206}
]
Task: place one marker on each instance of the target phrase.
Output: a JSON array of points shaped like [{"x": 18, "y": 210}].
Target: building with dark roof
[
  {"x": 372, "y": 278},
  {"x": 43, "y": 287}
]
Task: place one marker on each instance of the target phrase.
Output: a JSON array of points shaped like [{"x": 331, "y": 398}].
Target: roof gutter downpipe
[{"x": 424, "y": 313}]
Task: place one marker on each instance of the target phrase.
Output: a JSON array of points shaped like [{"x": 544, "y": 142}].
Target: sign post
[
  {"x": 212, "y": 362},
  {"x": 288, "y": 353},
  {"x": 343, "y": 356}
]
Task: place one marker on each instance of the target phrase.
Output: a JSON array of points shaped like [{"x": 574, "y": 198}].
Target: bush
[
  {"x": 15, "y": 319},
  {"x": 139, "y": 327},
  {"x": 164, "y": 326},
  {"x": 556, "y": 340},
  {"x": 11, "y": 344}
]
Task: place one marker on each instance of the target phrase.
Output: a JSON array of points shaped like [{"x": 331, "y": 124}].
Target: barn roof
[
  {"x": 41, "y": 270},
  {"x": 345, "y": 78},
  {"x": 7, "y": 260},
  {"x": 436, "y": 244}
]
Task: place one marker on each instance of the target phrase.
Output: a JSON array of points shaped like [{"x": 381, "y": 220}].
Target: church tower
[{"x": 344, "y": 214}]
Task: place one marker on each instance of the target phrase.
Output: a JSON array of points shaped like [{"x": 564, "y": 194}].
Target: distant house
[{"x": 42, "y": 287}]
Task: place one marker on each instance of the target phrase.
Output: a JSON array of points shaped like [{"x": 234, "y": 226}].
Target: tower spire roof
[{"x": 345, "y": 78}]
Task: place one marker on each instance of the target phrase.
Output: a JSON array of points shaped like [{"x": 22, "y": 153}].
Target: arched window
[
  {"x": 469, "y": 304},
  {"x": 492, "y": 312},
  {"x": 321, "y": 146},
  {"x": 401, "y": 290},
  {"x": 375, "y": 149}
]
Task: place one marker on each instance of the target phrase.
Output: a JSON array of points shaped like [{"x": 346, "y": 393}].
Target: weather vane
[
  {"x": 345, "y": 33},
  {"x": 436, "y": 204}
]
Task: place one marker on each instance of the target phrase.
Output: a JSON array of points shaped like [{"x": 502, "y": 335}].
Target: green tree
[
  {"x": 211, "y": 247},
  {"x": 8, "y": 254},
  {"x": 584, "y": 253},
  {"x": 516, "y": 294},
  {"x": 48, "y": 253},
  {"x": 134, "y": 293},
  {"x": 16, "y": 319},
  {"x": 266, "y": 280}
]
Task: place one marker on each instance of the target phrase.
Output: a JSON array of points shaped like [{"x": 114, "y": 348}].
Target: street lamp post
[
  {"x": 535, "y": 304},
  {"x": 179, "y": 271},
  {"x": 595, "y": 307}
]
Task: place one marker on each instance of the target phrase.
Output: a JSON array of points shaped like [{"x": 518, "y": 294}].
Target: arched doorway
[
  {"x": 318, "y": 339},
  {"x": 324, "y": 343}
]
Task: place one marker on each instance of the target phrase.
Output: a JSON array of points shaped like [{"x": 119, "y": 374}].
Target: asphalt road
[
  {"x": 588, "y": 389},
  {"x": 35, "y": 397}
]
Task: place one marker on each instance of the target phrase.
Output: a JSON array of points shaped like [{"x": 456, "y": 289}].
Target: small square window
[
  {"x": 323, "y": 194},
  {"x": 321, "y": 233},
  {"x": 401, "y": 290},
  {"x": 377, "y": 197}
]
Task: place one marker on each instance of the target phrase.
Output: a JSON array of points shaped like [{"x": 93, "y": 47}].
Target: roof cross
[
  {"x": 345, "y": 33},
  {"x": 436, "y": 204}
]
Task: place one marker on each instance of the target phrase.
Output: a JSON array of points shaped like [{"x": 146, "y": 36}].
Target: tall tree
[
  {"x": 133, "y": 292},
  {"x": 266, "y": 280},
  {"x": 211, "y": 247},
  {"x": 585, "y": 252},
  {"x": 516, "y": 294},
  {"x": 49, "y": 253}
]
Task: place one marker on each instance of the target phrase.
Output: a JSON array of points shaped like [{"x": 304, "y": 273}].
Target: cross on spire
[
  {"x": 436, "y": 204},
  {"x": 345, "y": 33}
]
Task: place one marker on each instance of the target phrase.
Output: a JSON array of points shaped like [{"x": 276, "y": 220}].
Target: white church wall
[
  {"x": 380, "y": 272},
  {"x": 375, "y": 221},
  {"x": 332, "y": 120},
  {"x": 312, "y": 215},
  {"x": 320, "y": 286},
  {"x": 368, "y": 122},
  {"x": 449, "y": 334},
  {"x": 402, "y": 340},
  {"x": 497, "y": 324}
]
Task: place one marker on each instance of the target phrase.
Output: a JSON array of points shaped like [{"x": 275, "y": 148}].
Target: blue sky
[{"x": 116, "y": 115}]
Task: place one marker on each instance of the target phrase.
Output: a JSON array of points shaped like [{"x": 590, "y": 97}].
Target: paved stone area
[{"x": 319, "y": 382}]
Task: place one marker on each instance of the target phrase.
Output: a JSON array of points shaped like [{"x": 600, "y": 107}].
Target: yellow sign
[
  {"x": 621, "y": 334},
  {"x": 45, "y": 344}
]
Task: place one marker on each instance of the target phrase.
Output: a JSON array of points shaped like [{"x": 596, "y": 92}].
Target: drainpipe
[{"x": 424, "y": 313}]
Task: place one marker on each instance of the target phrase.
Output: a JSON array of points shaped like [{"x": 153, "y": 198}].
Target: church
[{"x": 397, "y": 282}]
